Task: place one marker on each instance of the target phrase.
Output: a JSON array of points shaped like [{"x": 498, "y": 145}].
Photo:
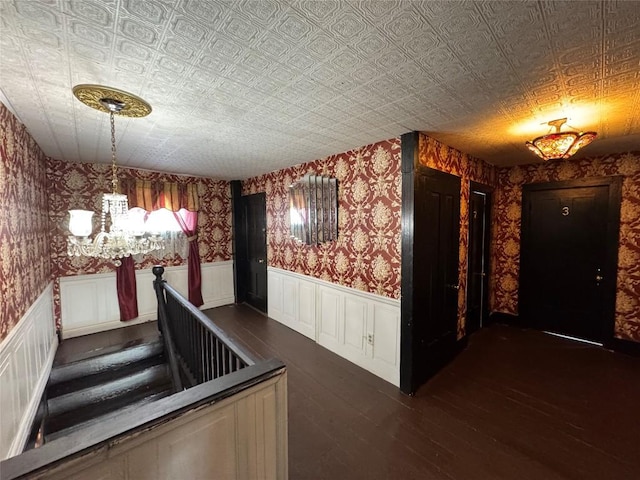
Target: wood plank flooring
[{"x": 516, "y": 404}]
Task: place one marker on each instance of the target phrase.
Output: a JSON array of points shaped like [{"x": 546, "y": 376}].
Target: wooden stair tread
[
  {"x": 152, "y": 397},
  {"x": 82, "y": 405},
  {"x": 68, "y": 350},
  {"x": 106, "y": 361}
]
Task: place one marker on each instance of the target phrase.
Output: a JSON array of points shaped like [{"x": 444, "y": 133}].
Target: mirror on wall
[{"x": 314, "y": 209}]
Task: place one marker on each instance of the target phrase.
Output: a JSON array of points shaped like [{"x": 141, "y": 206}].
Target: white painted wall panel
[
  {"x": 74, "y": 295},
  {"x": 275, "y": 297},
  {"x": 354, "y": 326},
  {"x": 386, "y": 334},
  {"x": 289, "y": 302},
  {"x": 26, "y": 356},
  {"x": 9, "y": 415},
  {"x": 89, "y": 303},
  {"x": 330, "y": 317},
  {"x": 147, "y": 303},
  {"x": 385, "y": 351},
  {"x": 341, "y": 319},
  {"x": 307, "y": 309}
]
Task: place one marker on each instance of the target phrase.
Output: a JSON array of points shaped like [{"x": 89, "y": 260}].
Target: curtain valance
[{"x": 153, "y": 195}]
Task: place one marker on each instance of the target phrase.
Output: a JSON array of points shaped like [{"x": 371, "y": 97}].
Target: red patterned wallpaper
[
  {"x": 508, "y": 203},
  {"x": 436, "y": 155},
  {"x": 25, "y": 269},
  {"x": 80, "y": 185},
  {"x": 366, "y": 255}
]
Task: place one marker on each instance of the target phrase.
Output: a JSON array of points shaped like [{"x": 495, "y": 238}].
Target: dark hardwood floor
[{"x": 516, "y": 404}]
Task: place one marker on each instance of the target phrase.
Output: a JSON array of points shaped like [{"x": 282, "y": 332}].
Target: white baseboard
[
  {"x": 26, "y": 357},
  {"x": 105, "y": 326},
  {"x": 89, "y": 303}
]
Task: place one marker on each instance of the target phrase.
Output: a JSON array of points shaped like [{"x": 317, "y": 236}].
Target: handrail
[
  {"x": 221, "y": 371},
  {"x": 166, "y": 331},
  {"x": 204, "y": 351}
]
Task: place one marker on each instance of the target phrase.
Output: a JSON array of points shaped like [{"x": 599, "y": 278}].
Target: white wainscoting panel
[
  {"x": 330, "y": 316},
  {"x": 240, "y": 437},
  {"x": 385, "y": 347},
  {"x": 306, "y": 318},
  {"x": 362, "y": 327},
  {"x": 26, "y": 356},
  {"x": 354, "y": 328},
  {"x": 292, "y": 301},
  {"x": 89, "y": 303}
]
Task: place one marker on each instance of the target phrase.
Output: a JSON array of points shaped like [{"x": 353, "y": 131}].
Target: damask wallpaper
[
  {"x": 508, "y": 203},
  {"x": 80, "y": 185},
  {"x": 25, "y": 268},
  {"x": 436, "y": 155},
  {"x": 366, "y": 255}
]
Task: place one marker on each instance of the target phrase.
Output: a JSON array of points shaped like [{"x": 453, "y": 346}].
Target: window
[{"x": 160, "y": 222}]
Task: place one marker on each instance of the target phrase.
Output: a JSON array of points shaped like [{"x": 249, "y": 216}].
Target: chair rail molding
[
  {"x": 89, "y": 303},
  {"x": 361, "y": 327},
  {"x": 26, "y": 357}
]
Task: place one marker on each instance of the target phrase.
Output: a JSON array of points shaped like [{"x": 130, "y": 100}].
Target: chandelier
[
  {"x": 560, "y": 145},
  {"x": 117, "y": 237}
]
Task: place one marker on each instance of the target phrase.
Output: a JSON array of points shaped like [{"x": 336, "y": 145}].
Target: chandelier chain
[{"x": 114, "y": 168}]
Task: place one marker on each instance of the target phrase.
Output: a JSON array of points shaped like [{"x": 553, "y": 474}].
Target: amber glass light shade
[{"x": 560, "y": 145}]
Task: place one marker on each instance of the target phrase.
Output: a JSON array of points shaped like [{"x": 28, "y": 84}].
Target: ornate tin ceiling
[{"x": 240, "y": 88}]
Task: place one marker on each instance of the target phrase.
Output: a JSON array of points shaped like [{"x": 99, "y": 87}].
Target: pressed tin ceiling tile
[{"x": 307, "y": 79}]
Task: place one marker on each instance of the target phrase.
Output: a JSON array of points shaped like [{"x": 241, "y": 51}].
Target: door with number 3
[{"x": 569, "y": 256}]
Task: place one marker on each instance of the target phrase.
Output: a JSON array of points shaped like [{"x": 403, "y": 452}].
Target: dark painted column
[{"x": 236, "y": 193}]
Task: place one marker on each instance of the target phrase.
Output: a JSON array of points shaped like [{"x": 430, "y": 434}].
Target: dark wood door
[
  {"x": 478, "y": 266},
  {"x": 437, "y": 229},
  {"x": 568, "y": 257},
  {"x": 252, "y": 257}
]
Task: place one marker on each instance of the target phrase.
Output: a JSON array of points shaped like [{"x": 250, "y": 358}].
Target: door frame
[
  {"x": 240, "y": 246},
  {"x": 411, "y": 168},
  {"x": 612, "y": 237},
  {"x": 486, "y": 252}
]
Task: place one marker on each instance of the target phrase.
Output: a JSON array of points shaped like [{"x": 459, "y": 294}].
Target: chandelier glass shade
[
  {"x": 560, "y": 145},
  {"x": 117, "y": 237}
]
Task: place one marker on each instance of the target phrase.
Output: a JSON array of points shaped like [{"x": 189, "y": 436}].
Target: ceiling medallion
[
  {"x": 94, "y": 96},
  {"x": 560, "y": 145}
]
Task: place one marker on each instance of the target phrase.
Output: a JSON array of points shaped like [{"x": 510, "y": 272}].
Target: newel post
[{"x": 158, "y": 271}]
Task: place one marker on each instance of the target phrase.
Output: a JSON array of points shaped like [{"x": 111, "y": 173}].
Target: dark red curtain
[
  {"x": 188, "y": 221},
  {"x": 127, "y": 290}
]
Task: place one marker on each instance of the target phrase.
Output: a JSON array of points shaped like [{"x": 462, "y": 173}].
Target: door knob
[
  {"x": 455, "y": 287},
  {"x": 261, "y": 261},
  {"x": 599, "y": 278}
]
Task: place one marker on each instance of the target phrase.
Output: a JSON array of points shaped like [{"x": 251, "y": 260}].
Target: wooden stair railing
[
  {"x": 201, "y": 356},
  {"x": 203, "y": 351}
]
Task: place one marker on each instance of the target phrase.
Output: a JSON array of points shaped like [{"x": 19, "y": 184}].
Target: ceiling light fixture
[
  {"x": 560, "y": 145},
  {"x": 120, "y": 239}
]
